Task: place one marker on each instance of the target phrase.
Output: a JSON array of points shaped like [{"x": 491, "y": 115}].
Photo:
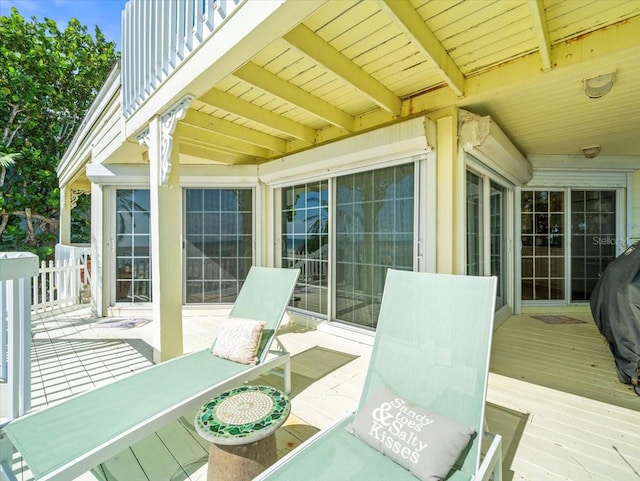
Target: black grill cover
[{"x": 615, "y": 305}]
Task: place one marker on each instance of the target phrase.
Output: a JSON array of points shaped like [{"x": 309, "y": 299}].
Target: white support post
[
  {"x": 166, "y": 235},
  {"x": 3, "y": 332},
  {"x": 13, "y": 350}
]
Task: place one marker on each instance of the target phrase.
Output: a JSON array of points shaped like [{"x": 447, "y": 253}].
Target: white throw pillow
[
  {"x": 238, "y": 339},
  {"x": 426, "y": 443}
]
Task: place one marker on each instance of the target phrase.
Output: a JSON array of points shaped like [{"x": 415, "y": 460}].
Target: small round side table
[{"x": 241, "y": 424}]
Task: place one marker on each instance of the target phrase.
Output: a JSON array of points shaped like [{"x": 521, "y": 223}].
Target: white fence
[
  {"x": 26, "y": 289},
  {"x": 60, "y": 283}
]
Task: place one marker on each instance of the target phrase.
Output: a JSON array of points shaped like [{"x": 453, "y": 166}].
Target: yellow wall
[{"x": 635, "y": 207}]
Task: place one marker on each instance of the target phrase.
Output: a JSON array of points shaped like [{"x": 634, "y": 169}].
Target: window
[
  {"x": 475, "y": 233},
  {"x": 133, "y": 247},
  {"x": 593, "y": 238},
  {"x": 374, "y": 232},
  {"x": 219, "y": 243},
  {"x": 543, "y": 245},
  {"x": 305, "y": 242},
  {"x": 487, "y": 229},
  {"x": 369, "y": 227},
  {"x": 565, "y": 246}
]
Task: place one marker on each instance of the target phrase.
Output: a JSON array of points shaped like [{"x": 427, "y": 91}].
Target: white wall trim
[
  {"x": 395, "y": 142},
  {"x": 481, "y": 137},
  {"x": 118, "y": 174},
  {"x": 190, "y": 175},
  {"x": 577, "y": 178},
  {"x": 579, "y": 162}
]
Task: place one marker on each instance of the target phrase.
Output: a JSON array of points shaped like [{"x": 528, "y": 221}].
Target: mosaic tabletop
[{"x": 242, "y": 415}]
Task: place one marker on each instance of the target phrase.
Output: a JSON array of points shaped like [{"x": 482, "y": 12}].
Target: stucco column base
[{"x": 243, "y": 462}]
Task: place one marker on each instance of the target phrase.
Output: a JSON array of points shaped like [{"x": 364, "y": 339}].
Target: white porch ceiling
[{"x": 352, "y": 66}]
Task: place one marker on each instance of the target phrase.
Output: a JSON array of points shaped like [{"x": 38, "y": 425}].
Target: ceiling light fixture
[
  {"x": 591, "y": 152},
  {"x": 599, "y": 86}
]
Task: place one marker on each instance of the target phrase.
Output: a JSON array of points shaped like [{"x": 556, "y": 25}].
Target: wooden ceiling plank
[
  {"x": 313, "y": 46},
  {"x": 269, "y": 82},
  {"x": 232, "y": 130},
  {"x": 221, "y": 100},
  {"x": 541, "y": 30},
  {"x": 414, "y": 28}
]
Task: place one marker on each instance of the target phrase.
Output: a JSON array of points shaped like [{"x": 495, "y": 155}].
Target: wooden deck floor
[
  {"x": 581, "y": 422},
  {"x": 569, "y": 357},
  {"x": 553, "y": 395}
]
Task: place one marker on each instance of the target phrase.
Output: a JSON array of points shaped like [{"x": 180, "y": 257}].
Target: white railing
[
  {"x": 16, "y": 271},
  {"x": 311, "y": 267},
  {"x": 157, "y": 36},
  {"x": 60, "y": 283}
]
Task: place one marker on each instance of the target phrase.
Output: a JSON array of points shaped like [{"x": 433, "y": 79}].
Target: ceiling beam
[
  {"x": 271, "y": 83},
  {"x": 216, "y": 156},
  {"x": 616, "y": 45},
  {"x": 411, "y": 24},
  {"x": 207, "y": 138},
  {"x": 311, "y": 45},
  {"x": 234, "y": 131},
  {"x": 221, "y": 100},
  {"x": 540, "y": 28}
]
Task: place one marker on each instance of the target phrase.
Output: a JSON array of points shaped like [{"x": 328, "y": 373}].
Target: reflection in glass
[
  {"x": 475, "y": 254},
  {"x": 133, "y": 247},
  {"x": 374, "y": 232},
  {"x": 477, "y": 226},
  {"x": 219, "y": 243},
  {"x": 498, "y": 247},
  {"x": 305, "y": 234},
  {"x": 542, "y": 253},
  {"x": 593, "y": 238}
]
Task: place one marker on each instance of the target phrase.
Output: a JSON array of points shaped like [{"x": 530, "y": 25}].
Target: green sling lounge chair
[
  {"x": 432, "y": 349},
  {"x": 67, "y": 439}
]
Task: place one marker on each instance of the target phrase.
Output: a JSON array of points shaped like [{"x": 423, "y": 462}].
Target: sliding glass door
[
  {"x": 344, "y": 233},
  {"x": 133, "y": 246},
  {"x": 566, "y": 246},
  {"x": 374, "y": 232},
  {"x": 305, "y": 242},
  {"x": 543, "y": 245},
  {"x": 219, "y": 243},
  {"x": 486, "y": 231},
  {"x": 593, "y": 238}
]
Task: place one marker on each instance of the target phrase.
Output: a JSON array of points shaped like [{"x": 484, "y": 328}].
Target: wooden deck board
[
  {"x": 566, "y": 357},
  {"x": 568, "y": 437}
]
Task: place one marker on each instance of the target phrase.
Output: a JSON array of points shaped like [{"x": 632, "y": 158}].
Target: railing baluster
[
  {"x": 190, "y": 27},
  {"x": 43, "y": 282},
  {"x": 24, "y": 336},
  {"x": 157, "y": 36}
]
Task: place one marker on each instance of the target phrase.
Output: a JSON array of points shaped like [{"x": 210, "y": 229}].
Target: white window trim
[{"x": 488, "y": 175}]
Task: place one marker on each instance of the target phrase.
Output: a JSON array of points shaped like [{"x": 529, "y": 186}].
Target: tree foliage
[{"x": 48, "y": 79}]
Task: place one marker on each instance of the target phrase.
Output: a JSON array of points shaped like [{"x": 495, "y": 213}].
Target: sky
[{"x": 104, "y": 13}]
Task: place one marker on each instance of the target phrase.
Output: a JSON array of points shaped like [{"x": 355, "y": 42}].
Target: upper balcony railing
[{"x": 158, "y": 36}]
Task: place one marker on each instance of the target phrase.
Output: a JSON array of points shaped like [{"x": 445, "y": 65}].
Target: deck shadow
[
  {"x": 510, "y": 425},
  {"x": 309, "y": 366}
]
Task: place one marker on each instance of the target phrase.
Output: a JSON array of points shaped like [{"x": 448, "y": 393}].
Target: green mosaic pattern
[{"x": 242, "y": 415}]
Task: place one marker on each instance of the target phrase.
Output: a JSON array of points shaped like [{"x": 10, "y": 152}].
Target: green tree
[{"x": 48, "y": 79}]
